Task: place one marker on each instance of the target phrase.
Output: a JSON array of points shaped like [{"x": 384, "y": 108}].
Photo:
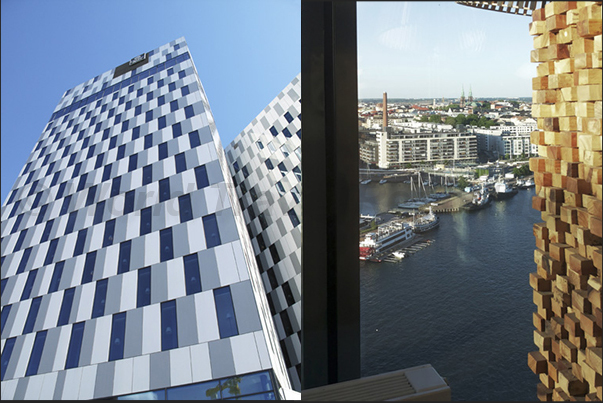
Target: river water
[{"x": 462, "y": 304}]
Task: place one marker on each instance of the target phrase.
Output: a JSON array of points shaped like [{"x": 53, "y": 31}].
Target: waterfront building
[
  {"x": 503, "y": 140},
  {"x": 265, "y": 165},
  {"x": 127, "y": 270},
  {"x": 396, "y": 150}
]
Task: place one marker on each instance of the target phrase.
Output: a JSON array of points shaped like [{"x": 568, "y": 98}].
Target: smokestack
[{"x": 385, "y": 109}]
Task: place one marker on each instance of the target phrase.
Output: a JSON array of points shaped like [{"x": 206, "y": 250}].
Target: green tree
[
  {"x": 450, "y": 121},
  {"x": 435, "y": 119},
  {"x": 463, "y": 182},
  {"x": 461, "y": 119},
  {"x": 424, "y": 118}
]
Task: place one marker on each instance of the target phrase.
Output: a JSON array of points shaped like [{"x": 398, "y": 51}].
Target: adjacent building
[
  {"x": 265, "y": 164},
  {"x": 126, "y": 264}
]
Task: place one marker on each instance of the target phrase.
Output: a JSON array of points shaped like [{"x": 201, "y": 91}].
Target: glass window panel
[
  {"x": 61, "y": 190},
  {"x": 225, "y": 312},
  {"x": 293, "y": 217},
  {"x": 180, "y": 162},
  {"x": 124, "y": 257},
  {"x": 5, "y": 313},
  {"x": 91, "y": 196},
  {"x": 259, "y": 396},
  {"x": 186, "y": 210},
  {"x": 109, "y": 233},
  {"x": 161, "y": 122},
  {"x": 248, "y": 384},
  {"x": 288, "y": 117},
  {"x": 98, "y": 213},
  {"x": 113, "y": 142},
  {"x": 100, "y": 297},
  {"x": 56, "y": 276},
  {"x": 201, "y": 177},
  {"x": 286, "y": 132},
  {"x": 31, "y": 278},
  {"x": 118, "y": 332},
  {"x": 36, "y": 201},
  {"x": 174, "y": 105},
  {"x": 212, "y": 234},
  {"x": 176, "y": 130},
  {"x": 163, "y": 151},
  {"x": 164, "y": 189},
  {"x": 133, "y": 162},
  {"x": 75, "y": 345},
  {"x": 148, "y": 141},
  {"x": 55, "y": 178},
  {"x": 185, "y": 90},
  {"x": 80, "y": 242},
  {"x": 20, "y": 240},
  {"x": 269, "y": 164},
  {"x": 191, "y": 274},
  {"x": 273, "y": 131},
  {"x": 52, "y": 248},
  {"x": 189, "y": 112},
  {"x": 82, "y": 182},
  {"x": 36, "y": 354},
  {"x": 167, "y": 247},
  {"x": 65, "y": 206},
  {"x": 88, "y": 272},
  {"x": 147, "y": 174},
  {"x": 149, "y": 115},
  {"x": 198, "y": 391},
  {"x": 144, "y": 287},
  {"x": 161, "y": 100},
  {"x": 14, "y": 209},
  {"x": 32, "y": 315},
  {"x": 121, "y": 151},
  {"x": 152, "y": 395},
  {"x": 135, "y": 132},
  {"x": 169, "y": 329},
  {"x": 145, "y": 221},
  {"x": 194, "y": 138},
  {"x": 66, "y": 306},
  {"x": 47, "y": 231},
  {"x": 129, "y": 202},
  {"x": 99, "y": 161},
  {"x": 115, "y": 185},
  {"x": 6, "y": 353}
]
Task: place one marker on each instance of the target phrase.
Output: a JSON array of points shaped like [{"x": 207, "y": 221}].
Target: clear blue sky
[
  {"x": 429, "y": 49},
  {"x": 246, "y": 52}
]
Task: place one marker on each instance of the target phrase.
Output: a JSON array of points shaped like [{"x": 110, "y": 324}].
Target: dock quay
[{"x": 409, "y": 246}]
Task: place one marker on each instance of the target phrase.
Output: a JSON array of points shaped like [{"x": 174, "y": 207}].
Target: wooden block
[
  {"x": 585, "y": 109},
  {"x": 538, "y": 321},
  {"x": 537, "y": 137},
  {"x": 593, "y": 357},
  {"x": 577, "y": 280},
  {"x": 591, "y": 375},
  {"x": 558, "y": 7},
  {"x": 548, "y": 68},
  {"x": 544, "y": 96},
  {"x": 580, "y": 301},
  {"x": 543, "y": 393},
  {"x": 565, "y": 109},
  {"x": 539, "y": 55},
  {"x": 566, "y": 35},
  {"x": 543, "y": 340},
  {"x": 543, "y": 244},
  {"x": 588, "y": 323},
  {"x": 538, "y": 283},
  {"x": 587, "y": 77},
  {"x": 553, "y": 207},
  {"x": 570, "y": 154},
  {"x": 591, "y": 158},
  {"x": 577, "y": 340},
  {"x": 554, "y": 223},
  {"x": 558, "y": 308},
  {"x": 568, "y": 214},
  {"x": 569, "y": 94},
  {"x": 554, "y": 23},
  {"x": 578, "y": 186},
  {"x": 597, "y": 190},
  {"x": 543, "y": 110},
  {"x": 537, "y": 27},
  {"x": 568, "y": 350},
  {"x": 588, "y": 92},
  {"x": 558, "y": 51},
  {"x": 598, "y": 43},
  {"x": 595, "y": 226},
  {"x": 593, "y": 127},
  {"x": 540, "y": 230},
  {"x": 557, "y": 251},
  {"x": 538, "y": 203},
  {"x": 582, "y": 216},
  {"x": 553, "y": 166},
  {"x": 572, "y": 385},
  {"x": 568, "y": 139},
  {"x": 589, "y": 29},
  {"x": 543, "y": 179},
  {"x": 537, "y": 164},
  {"x": 558, "y": 327},
  {"x": 568, "y": 123},
  {"x": 581, "y": 265},
  {"x": 560, "y": 80},
  {"x": 591, "y": 397},
  {"x": 582, "y": 45},
  {"x": 542, "y": 299},
  {"x": 584, "y": 236},
  {"x": 560, "y": 395},
  {"x": 537, "y": 362},
  {"x": 573, "y": 199},
  {"x": 569, "y": 169},
  {"x": 540, "y": 83},
  {"x": 584, "y": 61},
  {"x": 571, "y": 17}
]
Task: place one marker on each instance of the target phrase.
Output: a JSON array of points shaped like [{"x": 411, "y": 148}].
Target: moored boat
[{"x": 426, "y": 222}]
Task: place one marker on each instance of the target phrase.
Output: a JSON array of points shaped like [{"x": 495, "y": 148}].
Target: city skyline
[
  {"x": 436, "y": 49},
  {"x": 96, "y": 36}
]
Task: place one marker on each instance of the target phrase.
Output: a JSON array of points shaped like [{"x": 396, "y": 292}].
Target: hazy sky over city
[
  {"x": 246, "y": 52},
  {"x": 429, "y": 49}
]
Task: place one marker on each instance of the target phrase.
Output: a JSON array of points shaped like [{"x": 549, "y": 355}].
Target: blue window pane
[
  {"x": 76, "y": 170},
  {"x": 32, "y": 315},
  {"x": 98, "y": 213},
  {"x": 31, "y": 278},
  {"x": 194, "y": 139},
  {"x": 90, "y": 150},
  {"x": 144, "y": 287},
  {"x": 164, "y": 189},
  {"x": 75, "y": 345},
  {"x": 169, "y": 330},
  {"x": 172, "y": 87},
  {"x": 201, "y": 177},
  {"x": 129, "y": 202},
  {"x": 138, "y": 110},
  {"x": 147, "y": 175},
  {"x": 198, "y": 391},
  {"x": 176, "y": 130},
  {"x": 174, "y": 105},
  {"x": 112, "y": 142},
  {"x": 273, "y": 131},
  {"x": 185, "y": 206},
  {"x": 99, "y": 161},
  {"x": 133, "y": 162},
  {"x": 3, "y": 282},
  {"x": 148, "y": 141},
  {"x": 124, "y": 257},
  {"x": 115, "y": 185},
  {"x": 135, "y": 132},
  {"x": 47, "y": 231},
  {"x": 189, "y": 112},
  {"x": 152, "y": 395},
  {"x": 191, "y": 274},
  {"x": 293, "y": 217},
  {"x": 14, "y": 209},
  {"x": 259, "y": 396},
  {"x": 100, "y": 298},
  {"x": 36, "y": 354},
  {"x": 109, "y": 233},
  {"x": 250, "y": 384},
  {"x": 286, "y": 132},
  {"x": 52, "y": 248},
  {"x": 52, "y": 164},
  {"x": 180, "y": 162},
  {"x": 36, "y": 201},
  {"x": 149, "y": 96},
  {"x": 161, "y": 122},
  {"x": 118, "y": 333},
  {"x": 288, "y": 117},
  {"x": 88, "y": 272},
  {"x": 17, "y": 223},
  {"x": 6, "y": 353},
  {"x": 161, "y": 100},
  {"x": 20, "y": 240},
  {"x": 269, "y": 164},
  {"x": 80, "y": 242},
  {"x": 122, "y": 100},
  {"x": 145, "y": 220},
  {"x": 166, "y": 244},
  {"x": 56, "y": 276},
  {"x": 225, "y": 312},
  {"x": 5, "y": 313},
  {"x": 185, "y": 90},
  {"x": 91, "y": 195},
  {"x": 160, "y": 83},
  {"x": 121, "y": 151},
  {"x": 55, "y": 179},
  {"x": 163, "y": 151},
  {"x": 212, "y": 234},
  {"x": 181, "y": 74},
  {"x": 245, "y": 171},
  {"x": 82, "y": 182},
  {"x": 66, "y": 306}
]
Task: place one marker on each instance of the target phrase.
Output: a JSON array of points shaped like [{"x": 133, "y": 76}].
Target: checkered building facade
[
  {"x": 265, "y": 163},
  {"x": 125, "y": 262}
]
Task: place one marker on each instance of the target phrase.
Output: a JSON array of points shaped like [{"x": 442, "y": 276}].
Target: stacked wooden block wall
[{"x": 568, "y": 175}]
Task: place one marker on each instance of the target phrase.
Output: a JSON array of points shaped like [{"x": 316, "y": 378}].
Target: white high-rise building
[{"x": 127, "y": 269}]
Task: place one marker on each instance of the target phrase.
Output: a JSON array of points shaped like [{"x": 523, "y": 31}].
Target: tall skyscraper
[
  {"x": 264, "y": 161},
  {"x": 127, "y": 270}
]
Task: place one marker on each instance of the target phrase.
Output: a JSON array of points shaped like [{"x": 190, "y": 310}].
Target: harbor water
[{"x": 463, "y": 304}]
